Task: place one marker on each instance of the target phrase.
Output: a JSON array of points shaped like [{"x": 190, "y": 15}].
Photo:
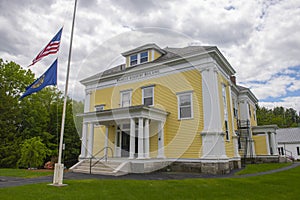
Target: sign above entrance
[{"x": 138, "y": 76}]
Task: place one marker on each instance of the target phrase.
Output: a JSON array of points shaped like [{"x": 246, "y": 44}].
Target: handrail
[
  {"x": 291, "y": 154},
  {"x": 103, "y": 157}
]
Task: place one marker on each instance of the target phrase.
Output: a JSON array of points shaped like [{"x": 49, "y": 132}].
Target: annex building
[{"x": 170, "y": 109}]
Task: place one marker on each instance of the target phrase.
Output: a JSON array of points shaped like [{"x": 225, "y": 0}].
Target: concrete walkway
[{"x": 13, "y": 181}]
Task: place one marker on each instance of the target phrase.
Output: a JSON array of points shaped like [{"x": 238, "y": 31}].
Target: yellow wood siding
[
  {"x": 182, "y": 137},
  {"x": 99, "y": 140},
  {"x": 260, "y": 144},
  {"x": 127, "y": 61},
  {"x": 252, "y": 119},
  {"x": 156, "y": 54}
]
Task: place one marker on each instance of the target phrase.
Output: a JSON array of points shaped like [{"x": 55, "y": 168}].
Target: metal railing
[
  {"x": 290, "y": 156},
  {"x": 99, "y": 159}
]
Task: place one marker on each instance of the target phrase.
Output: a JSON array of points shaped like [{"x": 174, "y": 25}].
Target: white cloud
[
  {"x": 289, "y": 102},
  {"x": 259, "y": 38}
]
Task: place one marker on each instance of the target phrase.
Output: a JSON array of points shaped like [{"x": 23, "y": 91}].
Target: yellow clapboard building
[{"x": 173, "y": 109}]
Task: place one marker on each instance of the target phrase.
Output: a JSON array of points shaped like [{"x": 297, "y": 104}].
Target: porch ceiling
[{"x": 112, "y": 115}]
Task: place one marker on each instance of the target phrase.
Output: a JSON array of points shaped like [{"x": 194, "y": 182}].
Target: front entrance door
[{"x": 125, "y": 144}]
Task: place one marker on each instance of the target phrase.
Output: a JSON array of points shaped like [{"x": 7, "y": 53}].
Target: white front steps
[{"x": 112, "y": 168}]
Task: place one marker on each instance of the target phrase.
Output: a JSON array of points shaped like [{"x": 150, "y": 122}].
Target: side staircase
[{"x": 111, "y": 168}]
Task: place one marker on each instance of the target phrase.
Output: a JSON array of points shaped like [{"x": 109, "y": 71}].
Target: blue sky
[{"x": 260, "y": 38}]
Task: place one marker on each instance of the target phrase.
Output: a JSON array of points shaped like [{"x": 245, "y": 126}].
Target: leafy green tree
[
  {"x": 13, "y": 81},
  {"x": 33, "y": 153},
  {"x": 280, "y": 116}
]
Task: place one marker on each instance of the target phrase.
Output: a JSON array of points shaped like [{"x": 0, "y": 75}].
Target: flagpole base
[{"x": 58, "y": 175}]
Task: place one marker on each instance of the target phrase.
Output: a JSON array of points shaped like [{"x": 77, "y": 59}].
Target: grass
[
  {"x": 281, "y": 185},
  {"x": 256, "y": 168},
  {"x": 25, "y": 173}
]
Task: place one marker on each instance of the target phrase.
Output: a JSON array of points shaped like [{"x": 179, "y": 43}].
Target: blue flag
[{"x": 48, "y": 78}]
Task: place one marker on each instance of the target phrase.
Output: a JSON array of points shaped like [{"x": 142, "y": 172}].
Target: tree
[
  {"x": 33, "y": 153},
  {"x": 280, "y": 116},
  {"x": 37, "y": 115},
  {"x": 13, "y": 80}
]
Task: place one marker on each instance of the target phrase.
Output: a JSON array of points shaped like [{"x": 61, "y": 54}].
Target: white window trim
[
  {"x": 152, "y": 86},
  {"x": 121, "y": 97},
  {"x": 139, "y": 58},
  {"x": 178, "y": 104},
  {"x": 225, "y": 102},
  {"x": 147, "y": 56},
  {"x": 137, "y": 61}
]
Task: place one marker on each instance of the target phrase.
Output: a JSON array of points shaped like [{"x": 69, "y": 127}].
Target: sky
[{"x": 259, "y": 38}]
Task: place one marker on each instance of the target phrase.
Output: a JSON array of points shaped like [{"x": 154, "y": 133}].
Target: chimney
[{"x": 233, "y": 79}]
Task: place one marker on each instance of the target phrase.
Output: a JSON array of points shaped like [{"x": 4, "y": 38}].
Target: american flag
[{"x": 51, "y": 48}]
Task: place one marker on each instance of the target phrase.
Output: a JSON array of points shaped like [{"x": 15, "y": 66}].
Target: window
[
  {"x": 249, "y": 110},
  {"x": 144, "y": 57},
  {"x": 125, "y": 98},
  {"x": 281, "y": 151},
  {"x": 226, "y": 130},
  {"x": 235, "y": 111},
  {"x": 185, "y": 106},
  {"x": 298, "y": 151},
  {"x": 99, "y": 107},
  {"x": 225, "y": 111},
  {"x": 148, "y": 96},
  {"x": 133, "y": 60}
]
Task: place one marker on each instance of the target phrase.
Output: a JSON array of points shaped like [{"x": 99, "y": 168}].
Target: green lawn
[
  {"x": 24, "y": 173},
  {"x": 256, "y": 168},
  {"x": 281, "y": 185}
]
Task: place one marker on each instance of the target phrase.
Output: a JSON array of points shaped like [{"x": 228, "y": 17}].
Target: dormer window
[
  {"x": 134, "y": 59},
  {"x": 144, "y": 57}
]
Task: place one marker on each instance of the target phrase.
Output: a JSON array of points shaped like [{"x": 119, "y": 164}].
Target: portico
[{"x": 131, "y": 127}]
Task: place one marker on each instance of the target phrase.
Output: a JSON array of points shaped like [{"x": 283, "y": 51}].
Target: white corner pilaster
[
  {"x": 213, "y": 146},
  {"x": 132, "y": 139},
  {"x": 87, "y": 100},
  {"x": 141, "y": 139}
]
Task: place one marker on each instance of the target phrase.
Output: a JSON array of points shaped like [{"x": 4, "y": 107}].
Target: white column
[
  {"x": 268, "y": 143},
  {"x": 213, "y": 146},
  {"x": 161, "y": 140},
  {"x": 147, "y": 142},
  {"x": 91, "y": 141},
  {"x": 273, "y": 143},
  {"x": 83, "y": 140},
  {"x": 141, "y": 139},
  {"x": 132, "y": 139},
  {"x": 106, "y": 140}
]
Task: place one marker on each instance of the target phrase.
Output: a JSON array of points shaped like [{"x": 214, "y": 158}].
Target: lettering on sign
[{"x": 139, "y": 75}]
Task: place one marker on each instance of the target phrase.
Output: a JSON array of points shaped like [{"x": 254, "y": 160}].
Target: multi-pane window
[
  {"x": 281, "y": 151},
  {"x": 133, "y": 60},
  {"x": 185, "y": 108},
  {"x": 125, "y": 98},
  {"x": 144, "y": 57},
  {"x": 235, "y": 110},
  {"x": 148, "y": 96}
]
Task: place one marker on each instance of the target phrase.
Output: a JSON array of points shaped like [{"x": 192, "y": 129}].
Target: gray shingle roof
[{"x": 288, "y": 135}]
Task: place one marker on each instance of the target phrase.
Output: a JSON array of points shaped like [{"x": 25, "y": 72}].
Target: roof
[
  {"x": 168, "y": 53},
  {"x": 242, "y": 89},
  {"x": 142, "y": 48},
  {"x": 288, "y": 135}
]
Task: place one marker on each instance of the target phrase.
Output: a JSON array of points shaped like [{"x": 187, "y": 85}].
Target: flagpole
[{"x": 59, "y": 167}]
